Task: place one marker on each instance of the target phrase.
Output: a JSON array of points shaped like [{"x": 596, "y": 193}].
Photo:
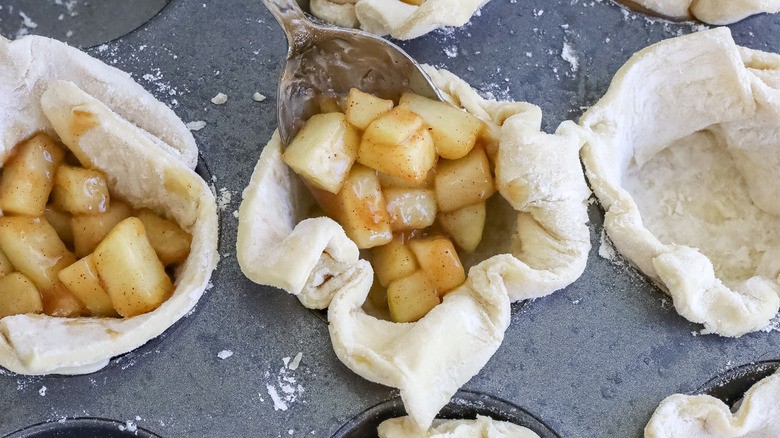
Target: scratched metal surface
[{"x": 593, "y": 360}]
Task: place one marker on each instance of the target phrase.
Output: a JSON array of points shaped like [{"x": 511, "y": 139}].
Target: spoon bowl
[{"x": 325, "y": 60}]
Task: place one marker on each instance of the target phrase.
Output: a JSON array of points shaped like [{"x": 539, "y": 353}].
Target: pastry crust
[
  {"x": 540, "y": 176},
  {"x": 703, "y": 416},
  {"x": 683, "y": 153},
  {"x": 710, "y": 11},
  {"x": 31, "y": 64},
  {"x": 394, "y": 17},
  {"x": 138, "y": 170},
  {"x": 482, "y": 427}
]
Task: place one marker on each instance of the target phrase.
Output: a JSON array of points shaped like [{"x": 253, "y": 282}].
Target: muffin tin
[{"x": 592, "y": 360}]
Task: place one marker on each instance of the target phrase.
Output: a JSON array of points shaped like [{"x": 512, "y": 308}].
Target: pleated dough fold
[
  {"x": 146, "y": 170},
  {"x": 394, "y": 17},
  {"x": 683, "y": 152},
  {"x": 430, "y": 359},
  {"x": 703, "y": 416}
]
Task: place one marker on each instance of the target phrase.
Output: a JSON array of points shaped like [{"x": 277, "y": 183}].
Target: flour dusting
[{"x": 285, "y": 390}]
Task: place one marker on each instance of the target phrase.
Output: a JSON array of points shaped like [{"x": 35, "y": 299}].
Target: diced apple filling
[
  {"x": 121, "y": 270},
  {"x": 414, "y": 188}
]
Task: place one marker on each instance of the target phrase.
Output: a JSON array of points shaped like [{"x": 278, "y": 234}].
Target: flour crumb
[
  {"x": 196, "y": 125},
  {"x": 606, "y": 250},
  {"x": 219, "y": 99},
  {"x": 224, "y": 354},
  {"x": 451, "y": 51},
  {"x": 42, "y": 391},
  {"x": 567, "y": 53},
  {"x": 235, "y": 214},
  {"x": 27, "y": 22},
  {"x": 225, "y": 198},
  {"x": 257, "y": 97},
  {"x": 296, "y": 361},
  {"x": 279, "y": 404},
  {"x": 129, "y": 426}
]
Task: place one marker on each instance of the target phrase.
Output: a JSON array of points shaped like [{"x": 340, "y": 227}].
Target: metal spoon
[{"x": 331, "y": 60}]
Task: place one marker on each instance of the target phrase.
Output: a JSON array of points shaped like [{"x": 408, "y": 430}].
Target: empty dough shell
[
  {"x": 703, "y": 416},
  {"x": 138, "y": 170},
  {"x": 683, "y": 152},
  {"x": 483, "y": 427},
  {"x": 539, "y": 244},
  {"x": 399, "y": 19},
  {"x": 710, "y": 11}
]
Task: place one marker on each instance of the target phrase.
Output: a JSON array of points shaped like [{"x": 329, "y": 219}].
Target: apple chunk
[
  {"x": 28, "y": 176},
  {"x": 397, "y": 143},
  {"x": 82, "y": 280},
  {"x": 89, "y": 229},
  {"x": 170, "y": 242},
  {"x": 130, "y": 271},
  {"x": 410, "y": 208},
  {"x": 410, "y": 298},
  {"x": 463, "y": 182},
  {"x": 35, "y": 250},
  {"x": 454, "y": 131},
  {"x": 465, "y": 225},
  {"x": 439, "y": 261},
  {"x": 324, "y": 150},
  {"x": 80, "y": 191},
  {"x": 18, "y": 295},
  {"x": 393, "y": 261},
  {"x": 359, "y": 207},
  {"x": 363, "y": 108}
]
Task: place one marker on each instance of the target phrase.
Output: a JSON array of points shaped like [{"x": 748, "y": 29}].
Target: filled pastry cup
[
  {"x": 146, "y": 154},
  {"x": 682, "y": 152},
  {"x": 536, "y": 241},
  {"x": 704, "y": 416},
  {"x": 709, "y": 11},
  {"x": 400, "y": 19}
]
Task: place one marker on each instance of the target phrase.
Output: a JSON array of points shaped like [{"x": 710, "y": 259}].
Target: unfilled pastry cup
[
  {"x": 536, "y": 242},
  {"x": 111, "y": 123},
  {"x": 683, "y": 153}
]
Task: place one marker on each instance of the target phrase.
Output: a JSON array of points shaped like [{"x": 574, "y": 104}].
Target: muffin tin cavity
[{"x": 84, "y": 428}]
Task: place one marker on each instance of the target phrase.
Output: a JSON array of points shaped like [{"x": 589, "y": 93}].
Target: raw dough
[
  {"x": 710, "y": 11},
  {"x": 400, "y": 20},
  {"x": 482, "y": 427},
  {"x": 539, "y": 175},
  {"x": 702, "y": 416},
  {"x": 138, "y": 169},
  {"x": 683, "y": 152}
]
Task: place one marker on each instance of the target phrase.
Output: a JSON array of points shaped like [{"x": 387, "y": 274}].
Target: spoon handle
[{"x": 293, "y": 21}]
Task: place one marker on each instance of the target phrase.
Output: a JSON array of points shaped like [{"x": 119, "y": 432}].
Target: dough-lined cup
[
  {"x": 536, "y": 242},
  {"x": 683, "y": 152},
  {"x": 704, "y": 416},
  {"x": 112, "y": 124}
]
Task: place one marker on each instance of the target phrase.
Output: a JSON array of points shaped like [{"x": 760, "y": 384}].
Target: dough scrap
[
  {"x": 540, "y": 176},
  {"x": 703, "y": 416},
  {"x": 683, "y": 152},
  {"x": 710, "y": 11},
  {"x": 394, "y": 17},
  {"x": 138, "y": 170},
  {"x": 482, "y": 427}
]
